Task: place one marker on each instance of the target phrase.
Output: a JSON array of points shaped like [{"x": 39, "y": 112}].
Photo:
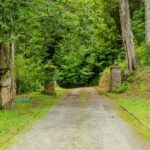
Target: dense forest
[
  {"x": 68, "y": 41},
  {"x": 81, "y": 67}
]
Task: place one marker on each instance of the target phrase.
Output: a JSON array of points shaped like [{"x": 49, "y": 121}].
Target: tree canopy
[{"x": 70, "y": 41}]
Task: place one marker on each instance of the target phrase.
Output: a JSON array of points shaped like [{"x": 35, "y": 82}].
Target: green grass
[
  {"x": 134, "y": 96},
  {"x": 140, "y": 108},
  {"x": 142, "y": 130},
  {"x": 26, "y": 113}
]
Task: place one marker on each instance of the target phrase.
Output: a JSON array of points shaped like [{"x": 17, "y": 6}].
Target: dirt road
[{"x": 87, "y": 123}]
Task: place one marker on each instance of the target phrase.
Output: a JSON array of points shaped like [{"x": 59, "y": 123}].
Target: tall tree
[
  {"x": 7, "y": 91},
  {"x": 147, "y": 19},
  {"x": 127, "y": 35}
]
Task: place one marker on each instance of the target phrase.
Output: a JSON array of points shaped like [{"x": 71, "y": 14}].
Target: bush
[
  {"x": 123, "y": 88},
  {"x": 143, "y": 53},
  {"x": 29, "y": 75}
]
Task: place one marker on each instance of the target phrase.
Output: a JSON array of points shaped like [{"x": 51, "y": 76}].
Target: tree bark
[
  {"x": 7, "y": 97},
  {"x": 147, "y": 20},
  {"x": 13, "y": 53},
  {"x": 127, "y": 36}
]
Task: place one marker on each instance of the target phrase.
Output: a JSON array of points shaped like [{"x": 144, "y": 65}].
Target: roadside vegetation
[
  {"x": 70, "y": 42},
  {"x": 136, "y": 112},
  {"x": 26, "y": 113},
  {"x": 133, "y": 96},
  {"x": 136, "y": 124}
]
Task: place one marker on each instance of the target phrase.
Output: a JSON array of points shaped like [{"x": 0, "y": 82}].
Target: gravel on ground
[{"x": 76, "y": 125}]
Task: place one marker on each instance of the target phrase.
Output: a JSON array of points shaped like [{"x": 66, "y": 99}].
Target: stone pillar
[
  {"x": 50, "y": 88},
  {"x": 115, "y": 78}
]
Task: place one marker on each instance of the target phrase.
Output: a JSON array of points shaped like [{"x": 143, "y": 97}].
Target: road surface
[{"x": 87, "y": 123}]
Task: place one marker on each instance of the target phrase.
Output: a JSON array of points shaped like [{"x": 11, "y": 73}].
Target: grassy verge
[
  {"x": 26, "y": 113},
  {"x": 134, "y": 97},
  {"x": 140, "y": 108}
]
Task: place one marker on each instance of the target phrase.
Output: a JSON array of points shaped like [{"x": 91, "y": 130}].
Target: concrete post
[{"x": 115, "y": 78}]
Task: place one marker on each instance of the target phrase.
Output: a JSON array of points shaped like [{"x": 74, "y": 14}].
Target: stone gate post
[
  {"x": 50, "y": 88},
  {"x": 115, "y": 78}
]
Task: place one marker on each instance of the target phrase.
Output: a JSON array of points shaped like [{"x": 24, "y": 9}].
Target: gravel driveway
[{"x": 81, "y": 125}]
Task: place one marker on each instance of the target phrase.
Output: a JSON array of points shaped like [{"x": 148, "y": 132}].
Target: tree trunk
[
  {"x": 13, "y": 53},
  {"x": 147, "y": 20},
  {"x": 127, "y": 35},
  {"x": 7, "y": 96}
]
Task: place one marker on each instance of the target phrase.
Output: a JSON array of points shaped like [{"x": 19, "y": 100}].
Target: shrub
[
  {"x": 123, "y": 88},
  {"x": 143, "y": 52}
]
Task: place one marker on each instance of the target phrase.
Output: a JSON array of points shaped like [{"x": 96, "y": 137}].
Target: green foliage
[
  {"x": 138, "y": 26},
  {"x": 29, "y": 75},
  {"x": 123, "y": 88},
  {"x": 89, "y": 43},
  {"x": 144, "y": 53},
  {"x": 138, "y": 21},
  {"x": 70, "y": 41}
]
